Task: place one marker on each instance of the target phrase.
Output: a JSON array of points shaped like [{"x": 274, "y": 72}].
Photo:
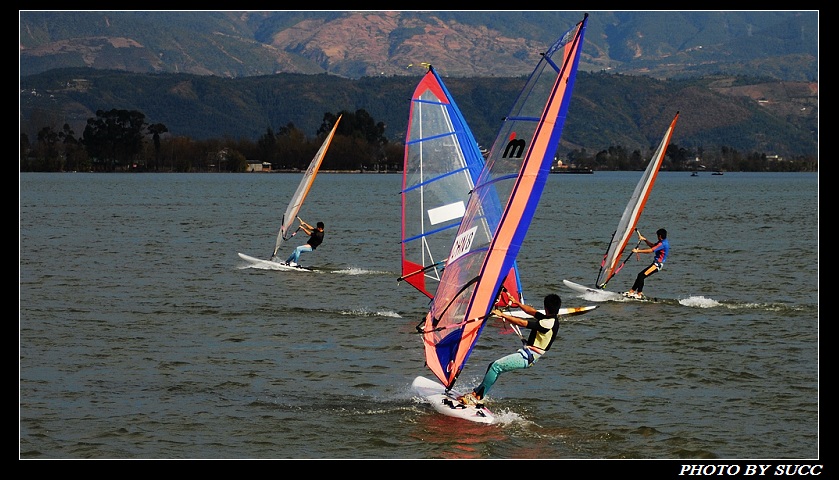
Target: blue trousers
[
  {"x": 513, "y": 361},
  {"x": 295, "y": 255}
]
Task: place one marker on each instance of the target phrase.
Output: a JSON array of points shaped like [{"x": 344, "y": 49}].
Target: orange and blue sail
[
  {"x": 441, "y": 164},
  {"x": 629, "y": 220},
  {"x": 506, "y": 195}
]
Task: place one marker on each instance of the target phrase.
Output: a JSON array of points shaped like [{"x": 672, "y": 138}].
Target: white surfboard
[
  {"x": 596, "y": 294},
  {"x": 447, "y": 404},
  {"x": 563, "y": 312},
  {"x": 599, "y": 295},
  {"x": 272, "y": 264}
]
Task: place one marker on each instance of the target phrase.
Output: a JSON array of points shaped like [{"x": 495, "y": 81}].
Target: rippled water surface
[{"x": 143, "y": 335}]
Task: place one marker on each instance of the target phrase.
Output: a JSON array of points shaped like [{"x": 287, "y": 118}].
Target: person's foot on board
[{"x": 470, "y": 399}]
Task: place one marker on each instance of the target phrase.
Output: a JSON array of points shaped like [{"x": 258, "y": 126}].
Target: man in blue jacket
[{"x": 659, "y": 250}]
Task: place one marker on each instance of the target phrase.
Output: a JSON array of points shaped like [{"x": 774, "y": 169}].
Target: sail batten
[{"x": 505, "y": 197}]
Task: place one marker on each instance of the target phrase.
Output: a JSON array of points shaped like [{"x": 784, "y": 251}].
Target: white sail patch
[
  {"x": 446, "y": 212},
  {"x": 462, "y": 244}
]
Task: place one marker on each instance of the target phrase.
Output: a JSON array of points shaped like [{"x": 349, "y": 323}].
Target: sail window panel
[{"x": 446, "y": 212}]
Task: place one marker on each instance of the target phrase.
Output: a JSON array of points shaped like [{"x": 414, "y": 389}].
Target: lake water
[{"x": 142, "y": 334}]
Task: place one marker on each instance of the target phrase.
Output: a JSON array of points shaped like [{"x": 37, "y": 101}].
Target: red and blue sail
[
  {"x": 505, "y": 195},
  {"x": 441, "y": 164}
]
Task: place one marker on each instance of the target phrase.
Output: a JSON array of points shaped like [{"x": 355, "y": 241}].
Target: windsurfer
[
  {"x": 315, "y": 239},
  {"x": 543, "y": 331},
  {"x": 660, "y": 249}
]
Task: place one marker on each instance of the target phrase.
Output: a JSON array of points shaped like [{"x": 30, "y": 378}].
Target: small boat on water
[
  {"x": 717, "y": 172},
  {"x": 694, "y": 174},
  {"x": 572, "y": 170}
]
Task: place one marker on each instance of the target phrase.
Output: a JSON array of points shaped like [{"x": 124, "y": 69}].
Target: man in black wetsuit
[{"x": 315, "y": 239}]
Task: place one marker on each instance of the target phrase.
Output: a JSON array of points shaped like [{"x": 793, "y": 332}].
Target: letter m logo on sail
[{"x": 515, "y": 148}]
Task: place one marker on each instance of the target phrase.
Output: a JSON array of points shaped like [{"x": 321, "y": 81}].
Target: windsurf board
[
  {"x": 447, "y": 404},
  {"x": 272, "y": 264},
  {"x": 600, "y": 295},
  {"x": 563, "y": 312}
]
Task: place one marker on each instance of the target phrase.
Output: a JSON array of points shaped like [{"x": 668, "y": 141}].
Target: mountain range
[
  {"x": 746, "y": 80},
  {"x": 354, "y": 44}
]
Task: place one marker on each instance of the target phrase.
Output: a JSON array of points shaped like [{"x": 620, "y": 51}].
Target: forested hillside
[{"x": 742, "y": 113}]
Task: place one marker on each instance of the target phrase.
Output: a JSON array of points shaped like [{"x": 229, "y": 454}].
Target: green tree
[
  {"x": 75, "y": 156},
  {"x": 47, "y": 149},
  {"x": 237, "y": 162},
  {"x": 25, "y": 148},
  {"x": 114, "y": 138},
  {"x": 293, "y": 149},
  {"x": 268, "y": 146},
  {"x": 156, "y": 130}
]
